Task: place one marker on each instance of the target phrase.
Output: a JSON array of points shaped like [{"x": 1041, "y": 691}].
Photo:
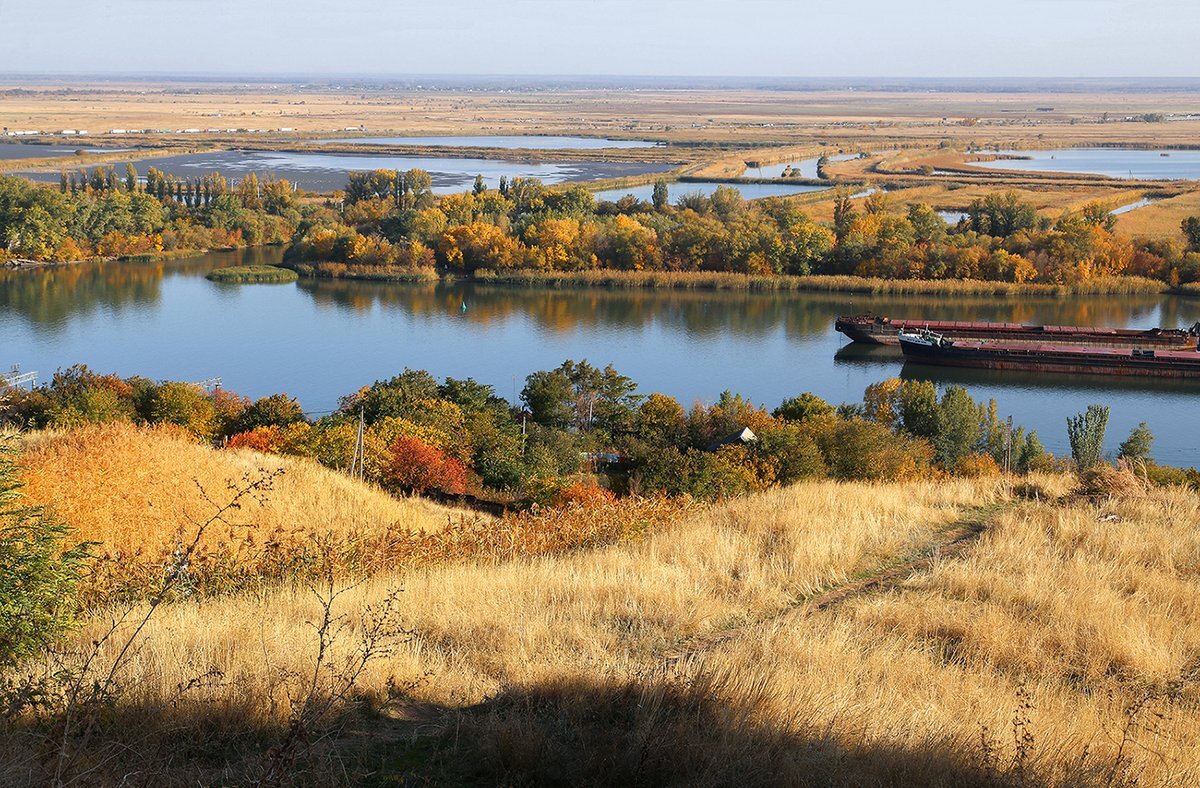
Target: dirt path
[{"x": 951, "y": 542}]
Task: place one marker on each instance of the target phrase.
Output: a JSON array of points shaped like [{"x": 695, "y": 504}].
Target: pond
[
  {"x": 1172, "y": 164},
  {"x": 509, "y": 142},
  {"x": 325, "y": 172},
  {"x": 676, "y": 189},
  {"x": 10, "y": 151},
  {"x": 318, "y": 340},
  {"x": 805, "y": 168}
]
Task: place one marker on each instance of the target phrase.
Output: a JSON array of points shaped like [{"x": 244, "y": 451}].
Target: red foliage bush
[
  {"x": 268, "y": 440},
  {"x": 583, "y": 493},
  {"x": 415, "y": 466}
]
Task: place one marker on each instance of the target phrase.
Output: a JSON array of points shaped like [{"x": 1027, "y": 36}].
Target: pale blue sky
[{"x": 620, "y": 37}]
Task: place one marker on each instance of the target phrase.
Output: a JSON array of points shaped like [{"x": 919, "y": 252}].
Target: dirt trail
[{"x": 951, "y": 542}]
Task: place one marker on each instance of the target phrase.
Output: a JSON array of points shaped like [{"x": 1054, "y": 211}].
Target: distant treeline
[
  {"x": 100, "y": 214},
  {"x": 391, "y": 220}
]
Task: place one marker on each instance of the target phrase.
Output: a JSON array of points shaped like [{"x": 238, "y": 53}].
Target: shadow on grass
[{"x": 579, "y": 732}]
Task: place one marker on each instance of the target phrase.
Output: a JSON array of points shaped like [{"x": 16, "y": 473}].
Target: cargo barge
[
  {"x": 927, "y": 347},
  {"x": 873, "y": 329}
]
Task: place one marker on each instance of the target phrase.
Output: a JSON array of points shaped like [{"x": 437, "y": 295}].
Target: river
[{"x": 319, "y": 340}]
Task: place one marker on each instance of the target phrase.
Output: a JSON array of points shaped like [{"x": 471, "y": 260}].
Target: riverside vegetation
[
  {"x": 581, "y": 434},
  {"x": 390, "y": 225},
  {"x": 524, "y": 231},
  {"x": 603, "y": 641}
]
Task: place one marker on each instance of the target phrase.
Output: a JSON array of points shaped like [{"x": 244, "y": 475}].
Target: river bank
[{"x": 719, "y": 280}]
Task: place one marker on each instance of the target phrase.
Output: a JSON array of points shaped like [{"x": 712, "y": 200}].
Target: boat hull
[
  {"x": 882, "y": 331},
  {"x": 1060, "y": 360}
]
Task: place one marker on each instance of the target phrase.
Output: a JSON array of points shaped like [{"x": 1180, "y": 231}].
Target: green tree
[
  {"x": 39, "y": 570},
  {"x": 661, "y": 195},
  {"x": 918, "y": 404},
  {"x": 480, "y": 187},
  {"x": 1085, "y": 432},
  {"x": 1137, "y": 445},
  {"x": 958, "y": 427},
  {"x": 1191, "y": 231},
  {"x": 803, "y": 408}
]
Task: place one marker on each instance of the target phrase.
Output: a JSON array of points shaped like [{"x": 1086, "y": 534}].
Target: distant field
[{"x": 763, "y": 116}]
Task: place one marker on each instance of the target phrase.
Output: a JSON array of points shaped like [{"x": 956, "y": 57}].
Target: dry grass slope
[
  {"x": 136, "y": 491},
  {"x": 1061, "y": 649}
]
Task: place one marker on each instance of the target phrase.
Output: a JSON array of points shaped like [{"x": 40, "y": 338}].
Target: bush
[
  {"x": 856, "y": 449},
  {"x": 414, "y": 466},
  {"x": 39, "y": 571}
]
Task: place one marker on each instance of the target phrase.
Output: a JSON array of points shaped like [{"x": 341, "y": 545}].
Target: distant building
[{"x": 741, "y": 437}]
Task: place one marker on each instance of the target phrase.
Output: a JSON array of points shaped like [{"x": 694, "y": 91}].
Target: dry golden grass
[
  {"x": 136, "y": 492},
  {"x": 1161, "y": 219},
  {"x": 1059, "y": 649},
  {"x": 1051, "y": 200}
]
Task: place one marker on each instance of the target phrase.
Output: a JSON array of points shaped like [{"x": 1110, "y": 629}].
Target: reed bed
[
  {"x": 379, "y": 273},
  {"x": 250, "y": 274},
  {"x": 704, "y": 280}
]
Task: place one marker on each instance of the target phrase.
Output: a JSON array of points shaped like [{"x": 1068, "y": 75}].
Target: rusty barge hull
[
  {"x": 884, "y": 331},
  {"x": 1057, "y": 359}
]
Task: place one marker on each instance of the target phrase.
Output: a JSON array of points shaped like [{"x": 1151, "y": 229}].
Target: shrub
[
  {"x": 1137, "y": 445},
  {"x": 268, "y": 440},
  {"x": 1085, "y": 432},
  {"x": 860, "y": 449},
  {"x": 976, "y": 465},
  {"x": 803, "y": 408},
  {"x": 414, "y": 466},
  {"x": 39, "y": 570}
]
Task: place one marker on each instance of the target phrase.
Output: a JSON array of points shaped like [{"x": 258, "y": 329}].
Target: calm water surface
[
  {"x": 318, "y": 340},
  {"x": 1113, "y": 162},
  {"x": 510, "y": 142},
  {"x": 805, "y": 168},
  {"x": 324, "y": 172},
  {"x": 17, "y": 150}
]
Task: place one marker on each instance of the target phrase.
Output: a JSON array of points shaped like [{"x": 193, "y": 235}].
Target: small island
[{"x": 253, "y": 274}]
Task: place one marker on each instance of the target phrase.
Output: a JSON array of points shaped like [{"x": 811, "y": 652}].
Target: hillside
[
  {"x": 136, "y": 491},
  {"x": 940, "y": 632}
]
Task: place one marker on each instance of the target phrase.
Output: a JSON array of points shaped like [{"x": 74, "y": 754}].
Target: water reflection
[{"x": 318, "y": 339}]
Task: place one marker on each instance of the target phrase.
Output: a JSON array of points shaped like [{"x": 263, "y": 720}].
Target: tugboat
[
  {"x": 874, "y": 329},
  {"x": 928, "y": 347}
]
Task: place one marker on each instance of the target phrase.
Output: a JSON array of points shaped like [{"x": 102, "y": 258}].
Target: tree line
[
  {"x": 527, "y": 225},
  {"x": 576, "y": 426},
  {"x": 99, "y": 214}
]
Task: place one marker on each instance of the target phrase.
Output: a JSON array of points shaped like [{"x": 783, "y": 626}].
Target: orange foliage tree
[{"x": 415, "y": 466}]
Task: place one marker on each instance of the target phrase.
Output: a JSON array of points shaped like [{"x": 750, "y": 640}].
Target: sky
[{"x": 786, "y": 38}]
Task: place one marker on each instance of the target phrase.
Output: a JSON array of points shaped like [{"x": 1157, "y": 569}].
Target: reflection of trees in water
[
  {"x": 48, "y": 296},
  {"x": 51, "y": 296},
  {"x": 712, "y": 313}
]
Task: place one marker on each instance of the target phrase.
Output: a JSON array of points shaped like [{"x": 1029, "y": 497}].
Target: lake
[
  {"x": 319, "y": 340},
  {"x": 805, "y": 168},
  {"x": 325, "y": 172},
  {"x": 509, "y": 142},
  {"x": 1112, "y": 162},
  {"x": 10, "y": 151},
  {"x": 751, "y": 191}
]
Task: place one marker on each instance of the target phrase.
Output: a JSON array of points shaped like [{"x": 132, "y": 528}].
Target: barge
[
  {"x": 874, "y": 329},
  {"x": 927, "y": 347}
]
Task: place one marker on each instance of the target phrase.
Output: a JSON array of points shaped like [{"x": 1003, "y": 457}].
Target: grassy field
[
  {"x": 135, "y": 491},
  {"x": 947, "y": 632}
]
